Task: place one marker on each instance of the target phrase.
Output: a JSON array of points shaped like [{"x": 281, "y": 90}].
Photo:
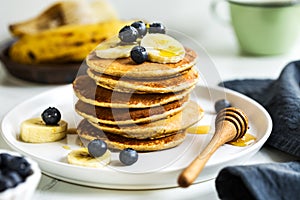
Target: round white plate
[{"x": 152, "y": 170}]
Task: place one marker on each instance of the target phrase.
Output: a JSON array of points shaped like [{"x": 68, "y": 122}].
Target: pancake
[
  {"x": 88, "y": 132},
  {"x": 127, "y": 67},
  {"x": 87, "y": 91},
  {"x": 191, "y": 114},
  {"x": 187, "y": 79},
  {"x": 121, "y": 116}
]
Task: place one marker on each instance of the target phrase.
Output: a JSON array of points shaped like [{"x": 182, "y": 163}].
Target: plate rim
[{"x": 218, "y": 88}]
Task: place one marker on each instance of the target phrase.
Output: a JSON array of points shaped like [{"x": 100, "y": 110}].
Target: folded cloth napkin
[
  {"x": 281, "y": 98},
  {"x": 264, "y": 181}
]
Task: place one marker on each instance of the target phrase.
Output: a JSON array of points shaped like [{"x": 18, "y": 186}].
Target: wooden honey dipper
[{"x": 231, "y": 124}]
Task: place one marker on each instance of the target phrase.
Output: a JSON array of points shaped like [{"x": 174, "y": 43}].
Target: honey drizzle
[
  {"x": 66, "y": 147},
  {"x": 199, "y": 129},
  {"x": 246, "y": 140}
]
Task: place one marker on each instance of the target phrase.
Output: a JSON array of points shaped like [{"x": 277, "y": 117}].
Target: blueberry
[
  {"x": 13, "y": 170},
  {"x": 5, "y": 159},
  {"x": 15, "y": 178},
  {"x": 138, "y": 54},
  {"x": 221, "y": 104},
  {"x": 97, "y": 148},
  {"x": 5, "y": 183},
  {"x": 51, "y": 116},
  {"x": 128, "y": 34},
  {"x": 128, "y": 156},
  {"x": 157, "y": 28},
  {"x": 21, "y": 166},
  {"x": 140, "y": 27}
]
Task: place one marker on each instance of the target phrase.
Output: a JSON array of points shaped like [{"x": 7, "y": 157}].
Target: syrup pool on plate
[{"x": 246, "y": 140}]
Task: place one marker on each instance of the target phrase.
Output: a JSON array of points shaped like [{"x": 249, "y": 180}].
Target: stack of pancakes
[{"x": 141, "y": 106}]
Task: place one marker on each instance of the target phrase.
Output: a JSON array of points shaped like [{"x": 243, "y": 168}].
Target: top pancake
[{"x": 127, "y": 67}]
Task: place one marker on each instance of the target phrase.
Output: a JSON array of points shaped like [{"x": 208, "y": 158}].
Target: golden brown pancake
[
  {"x": 86, "y": 131},
  {"x": 87, "y": 91},
  {"x": 190, "y": 115},
  {"x": 187, "y": 79},
  {"x": 126, "y": 67},
  {"x": 121, "y": 116}
]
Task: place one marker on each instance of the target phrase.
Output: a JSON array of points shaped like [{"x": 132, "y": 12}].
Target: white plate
[{"x": 152, "y": 170}]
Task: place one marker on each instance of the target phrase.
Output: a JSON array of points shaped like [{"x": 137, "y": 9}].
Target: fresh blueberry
[
  {"x": 5, "y": 183},
  {"x": 21, "y": 166},
  {"x": 157, "y": 27},
  {"x": 140, "y": 27},
  {"x": 128, "y": 156},
  {"x": 51, "y": 116},
  {"x": 128, "y": 34},
  {"x": 5, "y": 159},
  {"x": 138, "y": 54},
  {"x": 13, "y": 170},
  {"x": 15, "y": 178},
  {"x": 221, "y": 104},
  {"x": 97, "y": 148}
]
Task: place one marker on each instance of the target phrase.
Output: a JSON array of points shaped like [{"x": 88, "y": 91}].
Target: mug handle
[{"x": 214, "y": 10}]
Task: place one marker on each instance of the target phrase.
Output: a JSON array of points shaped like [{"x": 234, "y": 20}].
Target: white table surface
[{"x": 220, "y": 44}]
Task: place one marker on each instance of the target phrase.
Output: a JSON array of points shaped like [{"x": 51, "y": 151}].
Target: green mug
[{"x": 264, "y": 28}]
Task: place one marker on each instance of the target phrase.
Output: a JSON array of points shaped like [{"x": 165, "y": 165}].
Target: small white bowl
[{"x": 26, "y": 189}]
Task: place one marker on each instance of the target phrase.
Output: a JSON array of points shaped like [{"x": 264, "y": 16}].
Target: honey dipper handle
[{"x": 225, "y": 131}]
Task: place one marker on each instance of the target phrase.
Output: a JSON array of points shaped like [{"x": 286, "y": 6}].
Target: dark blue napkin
[
  {"x": 281, "y": 98},
  {"x": 260, "y": 182}
]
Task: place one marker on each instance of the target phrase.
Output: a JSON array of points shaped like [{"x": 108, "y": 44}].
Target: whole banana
[
  {"x": 65, "y": 13},
  {"x": 70, "y": 43}
]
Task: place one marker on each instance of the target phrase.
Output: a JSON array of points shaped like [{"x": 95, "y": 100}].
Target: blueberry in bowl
[{"x": 19, "y": 176}]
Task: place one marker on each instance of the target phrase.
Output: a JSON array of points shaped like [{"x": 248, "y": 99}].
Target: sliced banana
[
  {"x": 112, "y": 49},
  {"x": 163, "y": 48},
  {"x": 36, "y": 131},
  {"x": 82, "y": 157}
]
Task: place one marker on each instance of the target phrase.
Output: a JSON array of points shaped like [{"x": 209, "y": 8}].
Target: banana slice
[
  {"x": 82, "y": 157},
  {"x": 36, "y": 131},
  {"x": 163, "y": 48},
  {"x": 112, "y": 49}
]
